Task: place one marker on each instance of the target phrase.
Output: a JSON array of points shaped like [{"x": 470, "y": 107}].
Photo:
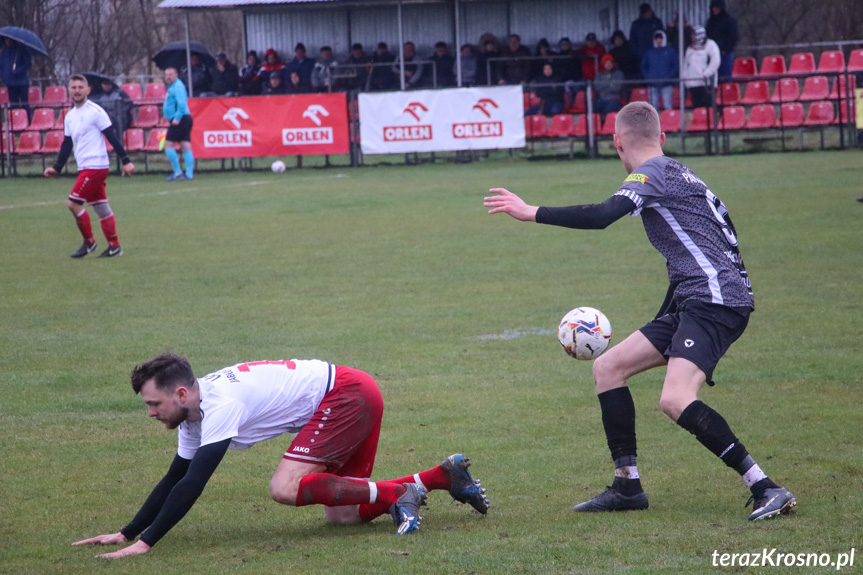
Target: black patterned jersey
[{"x": 691, "y": 227}]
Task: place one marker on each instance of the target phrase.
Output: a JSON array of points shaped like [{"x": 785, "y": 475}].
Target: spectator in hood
[
  {"x": 642, "y": 29},
  {"x": 226, "y": 77},
  {"x": 700, "y": 67},
  {"x": 624, "y": 56},
  {"x": 722, "y": 29},
  {"x": 250, "y": 82},
  {"x": 608, "y": 86},
  {"x": 544, "y": 51},
  {"x": 660, "y": 66},
  {"x": 15, "y": 66},
  {"x": 549, "y": 90},
  {"x": 272, "y": 65}
]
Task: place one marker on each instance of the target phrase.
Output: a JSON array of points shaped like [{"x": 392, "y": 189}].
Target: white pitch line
[{"x": 516, "y": 334}]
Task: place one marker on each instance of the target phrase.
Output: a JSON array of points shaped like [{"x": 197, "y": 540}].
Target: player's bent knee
[
  {"x": 284, "y": 492},
  {"x": 606, "y": 374},
  {"x": 673, "y": 406}
]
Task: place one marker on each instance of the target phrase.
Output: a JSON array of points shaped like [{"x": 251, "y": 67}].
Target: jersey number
[
  {"x": 719, "y": 210},
  {"x": 246, "y": 366}
]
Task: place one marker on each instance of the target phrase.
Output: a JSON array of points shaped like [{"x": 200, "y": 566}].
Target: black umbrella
[
  {"x": 25, "y": 37},
  {"x": 95, "y": 79},
  {"x": 173, "y": 55}
]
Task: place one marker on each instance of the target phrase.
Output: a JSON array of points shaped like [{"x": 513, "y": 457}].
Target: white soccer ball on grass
[
  {"x": 584, "y": 333},
  {"x": 278, "y": 167}
]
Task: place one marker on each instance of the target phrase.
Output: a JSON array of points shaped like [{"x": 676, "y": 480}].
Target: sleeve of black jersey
[
  {"x": 65, "y": 152},
  {"x": 114, "y": 140},
  {"x": 588, "y": 216},
  {"x": 186, "y": 491}
]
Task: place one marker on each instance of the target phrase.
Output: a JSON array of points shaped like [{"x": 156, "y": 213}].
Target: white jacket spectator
[{"x": 701, "y": 62}]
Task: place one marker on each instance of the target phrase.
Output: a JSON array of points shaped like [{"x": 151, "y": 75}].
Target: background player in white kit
[
  {"x": 706, "y": 309},
  {"x": 87, "y": 126},
  {"x": 335, "y": 413}
]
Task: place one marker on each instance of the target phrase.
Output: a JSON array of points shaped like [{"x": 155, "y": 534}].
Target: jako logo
[
  {"x": 301, "y": 449},
  {"x": 412, "y": 109},
  {"x": 312, "y": 113},
  {"x": 483, "y": 105},
  {"x": 232, "y": 114}
]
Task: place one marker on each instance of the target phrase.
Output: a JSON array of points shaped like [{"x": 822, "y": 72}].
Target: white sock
[
  {"x": 627, "y": 472},
  {"x": 373, "y": 492},
  {"x": 753, "y": 476},
  {"x": 419, "y": 482}
]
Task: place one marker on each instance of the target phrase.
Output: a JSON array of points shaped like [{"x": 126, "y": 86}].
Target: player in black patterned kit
[{"x": 707, "y": 308}]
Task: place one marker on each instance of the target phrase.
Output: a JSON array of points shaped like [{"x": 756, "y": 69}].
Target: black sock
[
  {"x": 713, "y": 432},
  {"x": 628, "y": 487},
  {"x": 618, "y": 420},
  {"x": 759, "y": 488}
]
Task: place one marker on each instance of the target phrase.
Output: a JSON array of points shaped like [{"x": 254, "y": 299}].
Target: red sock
[
  {"x": 332, "y": 490},
  {"x": 109, "y": 228},
  {"x": 434, "y": 478},
  {"x": 83, "y": 222},
  {"x": 388, "y": 493}
]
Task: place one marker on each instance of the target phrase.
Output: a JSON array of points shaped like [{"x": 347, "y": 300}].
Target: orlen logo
[
  {"x": 309, "y": 136},
  {"x": 480, "y": 129},
  {"x": 230, "y": 138},
  {"x": 409, "y": 133}
]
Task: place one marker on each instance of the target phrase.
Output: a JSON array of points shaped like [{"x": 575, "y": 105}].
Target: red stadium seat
[
  {"x": 815, "y": 88},
  {"x": 839, "y": 88},
  {"x": 608, "y": 124},
  {"x": 791, "y": 115},
  {"x": 761, "y": 117},
  {"x": 702, "y": 119},
  {"x": 743, "y": 67},
  {"x": 773, "y": 65},
  {"x": 669, "y": 121},
  {"x": 155, "y": 90},
  {"x": 29, "y": 143},
  {"x": 843, "y": 112},
  {"x": 153, "y": 140},
  {"x": 728, "y": 94},
  {"x": 133, "y": 90},
  {"x": 581, "y": 125},
  {"x": 53, "y": 141},
  {"x": 163, "y": 122},
  {"x": 831, "y": 61},
  {"x": 757, "y": 92},
  {"x": 530, "y": 99},
  {"x": 733, "y": 118},
  {"x": 20, "y": 121},
  {"x": 4, "y": 95},
  {"x": 134, "y": 140},
  {"x": 43, "y": 120},
  {"x": 802, "y": 63},
  {"x": 35, "y": 94},
  {"x": 786, "y": 90},
  {"x": 675, "y": 98},
  {"x": 578, "y": 104},
  {"x": 148, "y": 117},
  {"x": 59, "y": 125},
  {"x": 55, "y": 95},
  {"x": 820, "y": 114},
  {"x": 536, "y": 126},
  {"x": 639, "y": 95},
  {"x": 855, "y": 62},
  {"x": 562, "y": 126}
]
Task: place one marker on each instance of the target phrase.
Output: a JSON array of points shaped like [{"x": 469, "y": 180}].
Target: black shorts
[
  {"x": 181, "y": 132},
  {"x": 700, "y": 332}
]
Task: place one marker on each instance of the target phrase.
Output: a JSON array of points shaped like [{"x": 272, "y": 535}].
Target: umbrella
[
  {"x": 95, "y": 79},
  {"x": 25, "y": 37},
  {"x": 173, "y": 55}
]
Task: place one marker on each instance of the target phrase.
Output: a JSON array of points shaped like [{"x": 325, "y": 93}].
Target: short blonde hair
[{"x": 638, "y": 121}]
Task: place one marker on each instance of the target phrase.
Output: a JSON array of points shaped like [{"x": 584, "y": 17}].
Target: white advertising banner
[{"x": 442, "y": 120}]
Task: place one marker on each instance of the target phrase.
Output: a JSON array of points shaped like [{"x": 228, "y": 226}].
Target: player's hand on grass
[
  {"x": 509, "y": 203},
  {"x": 136, "y": 548},
  {"x": 49, "y": 172},
  {"x": 128, "y": 169},
  {"x": 107, "y": 539}
]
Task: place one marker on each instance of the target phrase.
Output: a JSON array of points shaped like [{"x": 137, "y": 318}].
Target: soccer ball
[
  {"x": 584, "y": 333},
  {"x": 278, "y": 167}
]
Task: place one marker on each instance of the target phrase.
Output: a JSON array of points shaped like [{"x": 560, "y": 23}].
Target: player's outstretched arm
[
  {"x": 107, "y": 539},
  {"x": 509, "y": 203}
]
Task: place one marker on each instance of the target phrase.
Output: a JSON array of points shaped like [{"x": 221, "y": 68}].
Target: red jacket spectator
[
  {"x": 589, "y": 54},
  {"x": 272, "y": 63}
]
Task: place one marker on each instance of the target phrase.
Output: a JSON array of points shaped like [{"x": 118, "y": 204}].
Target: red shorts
[
  {"x": 90, "y": 187},
  {"x": 343, "y": 433}
]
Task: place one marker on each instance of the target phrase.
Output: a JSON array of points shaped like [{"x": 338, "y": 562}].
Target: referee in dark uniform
[{"x": 707, "y": 308}]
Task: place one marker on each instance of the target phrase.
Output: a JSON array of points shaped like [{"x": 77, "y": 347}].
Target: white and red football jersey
[
  {"x": 85, "y": 125},
  {"x": 255, "y": 401}
]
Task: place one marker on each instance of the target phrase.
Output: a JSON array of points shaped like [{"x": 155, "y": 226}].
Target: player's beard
[
  {"x": 80, "y": 99},
  {"x": 175, "y": 422}
]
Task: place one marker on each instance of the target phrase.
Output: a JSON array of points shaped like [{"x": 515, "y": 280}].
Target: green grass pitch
[{"x": 399, "y": 271}]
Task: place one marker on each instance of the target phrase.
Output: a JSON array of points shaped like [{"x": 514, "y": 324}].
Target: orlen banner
[
  {"x": 302, "y": 125},
  {"x": 442, "y": 120}
]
